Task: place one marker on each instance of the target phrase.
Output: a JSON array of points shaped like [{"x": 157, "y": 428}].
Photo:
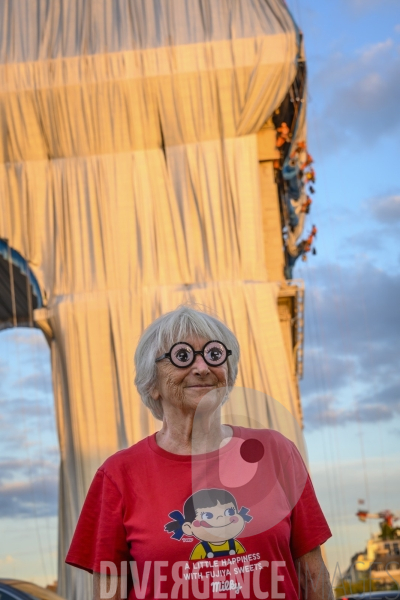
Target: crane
[
  {"x": 386, "y": 524},
  {"x": 387, "y": 516}
]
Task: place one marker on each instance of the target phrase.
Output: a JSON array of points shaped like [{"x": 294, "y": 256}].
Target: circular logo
[
  {"x": 258, "y": 473},
  {"x": 252, "y": 450}
]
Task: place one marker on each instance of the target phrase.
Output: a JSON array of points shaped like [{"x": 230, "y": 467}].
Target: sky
[{"x": 351, "y": 386}]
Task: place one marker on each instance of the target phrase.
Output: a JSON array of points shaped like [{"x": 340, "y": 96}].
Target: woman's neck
[{"x": 189, "y": 435}]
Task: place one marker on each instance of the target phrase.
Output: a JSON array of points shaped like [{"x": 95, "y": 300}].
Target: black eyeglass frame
[{"x": 195, "y": 352}]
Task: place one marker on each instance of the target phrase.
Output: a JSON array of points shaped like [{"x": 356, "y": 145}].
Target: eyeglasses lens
[
  {"x": 215, "y": 353},
  {"x": 182, "y": 355}
]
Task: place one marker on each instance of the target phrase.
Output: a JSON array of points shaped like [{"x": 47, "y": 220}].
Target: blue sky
[
  {"x": 29, "y": 459},
  {"x": 351, "y": 388}
]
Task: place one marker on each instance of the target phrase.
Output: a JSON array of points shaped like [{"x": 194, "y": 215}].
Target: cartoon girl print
[{"x": 212, "y": 517}]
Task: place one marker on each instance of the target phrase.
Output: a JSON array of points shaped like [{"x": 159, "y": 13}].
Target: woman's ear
[
  {"x": 187, "y": 528},
  {"x": 154, "y": 393}
]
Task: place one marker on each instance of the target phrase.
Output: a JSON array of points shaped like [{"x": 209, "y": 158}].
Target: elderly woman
[{"x": 200, "y": 509}]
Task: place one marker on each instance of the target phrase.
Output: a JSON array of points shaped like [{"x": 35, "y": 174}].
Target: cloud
[
  {"x": 335, "y": 373},
  {"x": 25, "y": 338},
  {"x": 366, "y": 108},
  {"x": 388, "y": 396},
  {"x": 28, "y": 428},
  {"x": 352, "y": 351},
  {"x": 24, "y": 499},
  {"x": 11, "y": 469},
  {"x": 368, "y": 239},
  {"x": 28, "y": 488},
  {"x": 37, "y": 382},
  {"x": 359, "y": 95},
  {"x": 25, "y": 416},
  {"x": 385, "y": 209},
  {"x": 360, "y": 6},
  {"x": 357, "y": 308},
  {"x": 11, "y": 439},
  {"x": 376, "y": 229},
  {"x": 319, "y": 412},
  {"x": 22, "y": 350},
  {"x": 373, "y": 51},
  {"x": 324, "y": 411}
]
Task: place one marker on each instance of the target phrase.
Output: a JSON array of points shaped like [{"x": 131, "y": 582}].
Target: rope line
[
  {"x": 12, "y": 286},
  {"x": 332, "y": 430}
]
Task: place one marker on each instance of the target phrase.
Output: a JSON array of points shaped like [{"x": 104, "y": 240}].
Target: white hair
[{"x": 173, "y": 327}]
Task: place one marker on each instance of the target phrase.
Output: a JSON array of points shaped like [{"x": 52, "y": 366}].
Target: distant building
[{"x": 380, "y": 562}]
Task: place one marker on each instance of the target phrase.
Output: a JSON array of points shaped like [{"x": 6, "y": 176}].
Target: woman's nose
[{"x": 200, "y": 364}]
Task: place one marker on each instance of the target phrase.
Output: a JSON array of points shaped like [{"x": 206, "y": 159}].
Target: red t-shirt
[{"x": 226, "y": 524}]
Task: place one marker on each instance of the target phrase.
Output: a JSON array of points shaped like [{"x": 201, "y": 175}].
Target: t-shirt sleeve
[
  {"x": 100, "y": 533},
  {"x": 309, "y": 527}
]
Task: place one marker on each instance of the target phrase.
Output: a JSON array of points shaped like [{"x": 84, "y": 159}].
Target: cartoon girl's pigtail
[
  {"x": 176, "y": 524},
  {"x": 243, "y": 513}
]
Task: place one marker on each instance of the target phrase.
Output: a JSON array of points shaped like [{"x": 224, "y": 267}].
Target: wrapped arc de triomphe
[{"x": 136, "y": 174}]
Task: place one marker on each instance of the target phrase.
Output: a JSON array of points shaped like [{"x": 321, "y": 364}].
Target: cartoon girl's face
[{"x": 215, "y": 524}]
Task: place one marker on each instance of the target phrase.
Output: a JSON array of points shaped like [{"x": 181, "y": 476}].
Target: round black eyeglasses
[{"x": 183, "y": 355}]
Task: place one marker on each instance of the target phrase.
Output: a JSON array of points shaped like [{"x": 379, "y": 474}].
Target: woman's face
[{"x": 183, "y": 389}]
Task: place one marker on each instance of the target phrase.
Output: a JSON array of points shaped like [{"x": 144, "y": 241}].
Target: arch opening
[{"x": 29, "y": 459}]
